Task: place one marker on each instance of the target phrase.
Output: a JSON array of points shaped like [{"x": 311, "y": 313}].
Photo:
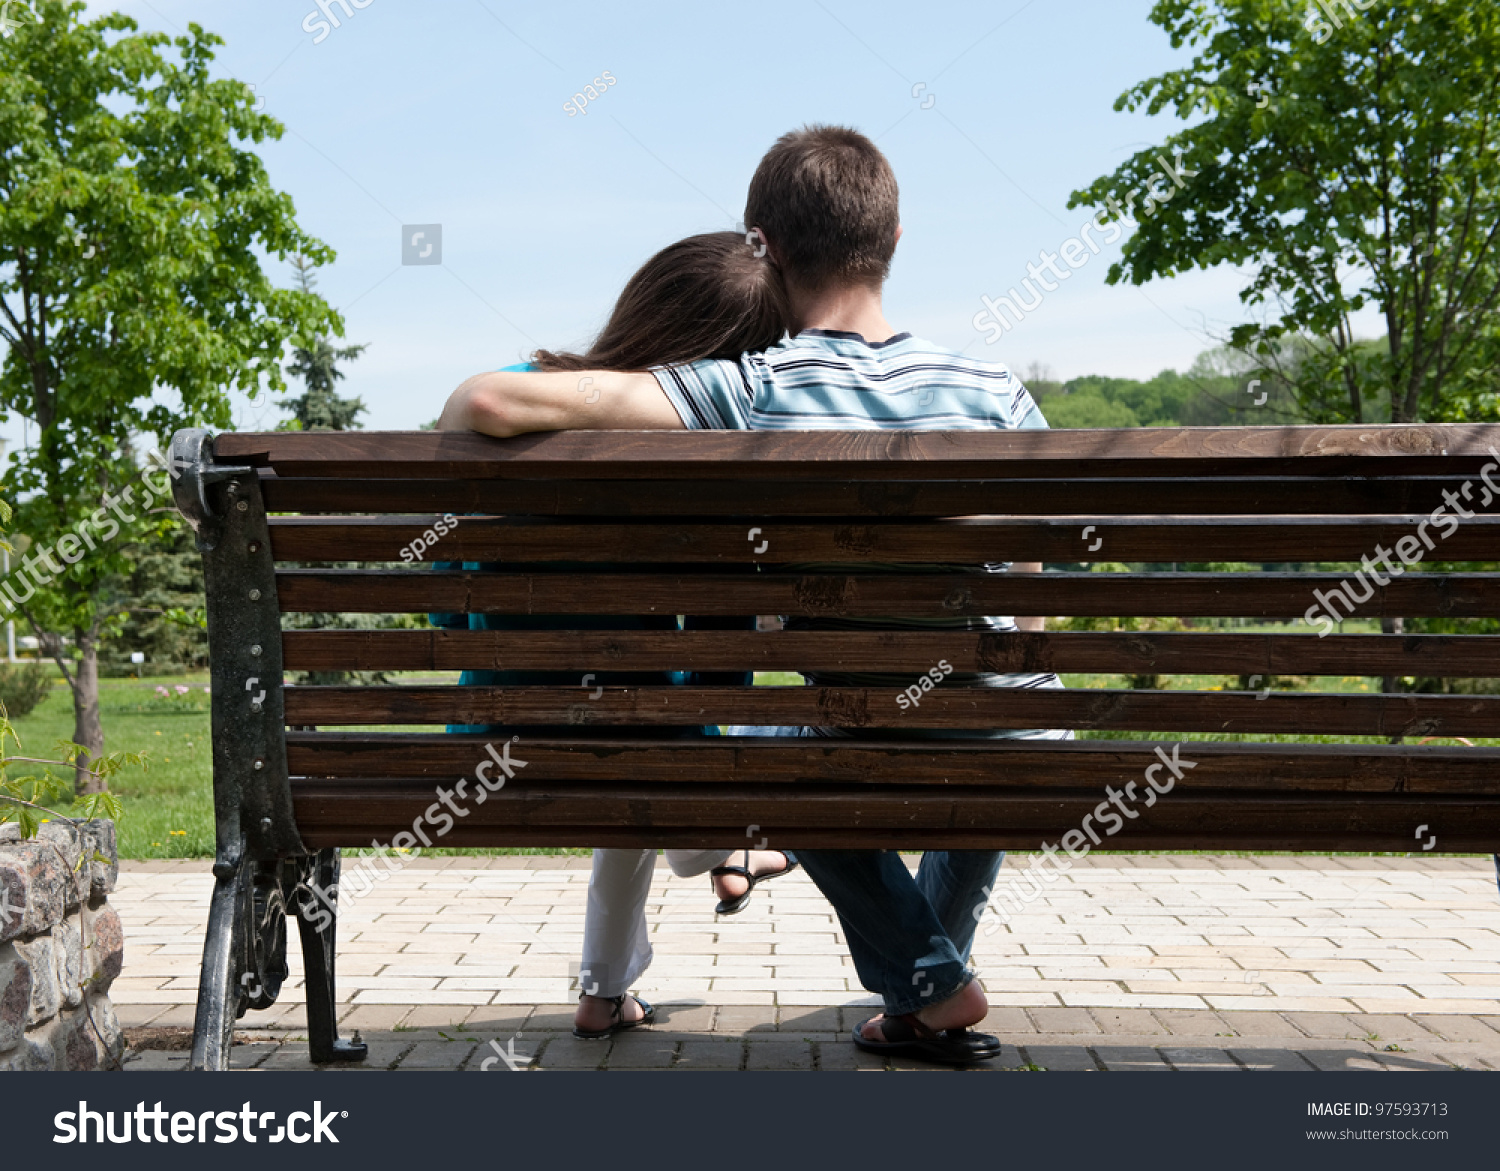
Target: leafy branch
[{"x": 28, "y": 800}]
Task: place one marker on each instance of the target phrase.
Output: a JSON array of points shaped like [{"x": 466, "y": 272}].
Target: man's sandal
[
  {"x": 617, "y": 1021},
  {"x": 907, "y": 1036},
  {"x": 735, "y": 906}
]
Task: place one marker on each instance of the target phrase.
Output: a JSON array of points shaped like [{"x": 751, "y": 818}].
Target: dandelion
[
  {"x": 158, "y": 733},
  {"x": 177, "y": 833},
  {"x": 156, "y": 845}
]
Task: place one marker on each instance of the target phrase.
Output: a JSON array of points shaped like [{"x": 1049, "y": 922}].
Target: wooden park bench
[{"x": 704, "y": 524}]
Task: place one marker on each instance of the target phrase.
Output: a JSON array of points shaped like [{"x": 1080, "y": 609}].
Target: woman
[{"x": 708, "y": 296}]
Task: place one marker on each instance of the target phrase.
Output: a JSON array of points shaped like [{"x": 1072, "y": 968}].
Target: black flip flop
[
  {"x": 735, "y": 906},
  {"x": 906, "y": 1036},
  {"x": 617, "y": 1023}
]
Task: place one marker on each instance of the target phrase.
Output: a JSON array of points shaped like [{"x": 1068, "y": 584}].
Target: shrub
[{"x": 23, "y": 686}]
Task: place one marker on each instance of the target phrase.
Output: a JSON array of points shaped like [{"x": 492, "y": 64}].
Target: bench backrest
[{"x": 704, "y": 524}]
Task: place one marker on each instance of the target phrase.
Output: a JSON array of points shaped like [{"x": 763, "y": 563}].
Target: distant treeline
[{"x": 1211, "y": 393}]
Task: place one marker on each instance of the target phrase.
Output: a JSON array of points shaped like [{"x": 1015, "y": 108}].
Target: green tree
[
  {"x": 1209, "y": 394},
  {"x": 1347, "y": 156},
  {"x": 162, "y": 615},
  {"x": 133, "y": 222},
  {"x": 316, "y": 361},
  {"x": 1086, "y": 408}
]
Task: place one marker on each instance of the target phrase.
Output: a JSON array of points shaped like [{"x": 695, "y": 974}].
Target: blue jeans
[{"x": 909, "y": 937}]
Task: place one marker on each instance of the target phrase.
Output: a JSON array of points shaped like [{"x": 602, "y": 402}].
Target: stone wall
[{"x": 60, "y": 948}]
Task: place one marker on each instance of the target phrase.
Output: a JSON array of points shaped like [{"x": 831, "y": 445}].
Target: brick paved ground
[{"x": 1155, "y": 963}]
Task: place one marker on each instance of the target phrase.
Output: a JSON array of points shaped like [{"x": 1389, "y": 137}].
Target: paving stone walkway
[{"x": 1150, "y": 962}]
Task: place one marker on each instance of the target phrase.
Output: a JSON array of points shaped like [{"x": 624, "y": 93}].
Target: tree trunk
[{"x": 87, "y": 728}]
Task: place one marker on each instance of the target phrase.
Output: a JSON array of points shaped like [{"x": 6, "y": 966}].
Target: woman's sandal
[
  {"x": 735, "y": 906},
  {"x": 907, "y": 1036},
  {"x": 617, "y": 1022}
]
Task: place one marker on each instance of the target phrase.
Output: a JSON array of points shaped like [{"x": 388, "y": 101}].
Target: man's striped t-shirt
[{"x": 829, "y": 380}]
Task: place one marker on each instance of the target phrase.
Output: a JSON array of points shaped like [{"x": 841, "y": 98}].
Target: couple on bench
[{"x": 780, "y": 329}]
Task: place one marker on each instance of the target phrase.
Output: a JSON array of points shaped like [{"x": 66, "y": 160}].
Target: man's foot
[
  {"x": 732, "y": 887},
  {"x": 938, "y": 1033},
  {"x": 595, "y": 1014},
  {"x": 960, "y": 1011}
]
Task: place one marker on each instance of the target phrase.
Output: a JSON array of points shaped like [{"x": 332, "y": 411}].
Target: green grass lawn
[{"x": 169, "y": 802}]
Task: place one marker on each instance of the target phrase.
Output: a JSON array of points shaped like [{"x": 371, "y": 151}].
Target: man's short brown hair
[{"x": 827, "y": 200}]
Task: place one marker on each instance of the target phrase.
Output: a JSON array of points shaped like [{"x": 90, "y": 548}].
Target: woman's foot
[
  {"x": 731, "y": 887},
  {"x": 960, "y": 1011},
  {"x": 595, "y": 1014}
]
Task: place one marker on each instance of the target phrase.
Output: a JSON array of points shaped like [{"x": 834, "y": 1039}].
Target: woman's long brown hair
[{"x": 708, "y": 296}]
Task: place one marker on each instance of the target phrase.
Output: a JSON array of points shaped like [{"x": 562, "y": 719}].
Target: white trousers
[{"x": 616, "y": 945}]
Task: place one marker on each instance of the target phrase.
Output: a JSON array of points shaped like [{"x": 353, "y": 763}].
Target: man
[{"x": 824, "y": 205}]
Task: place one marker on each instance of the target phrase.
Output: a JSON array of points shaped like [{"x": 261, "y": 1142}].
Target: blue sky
[{"x": 452, "y": 112}]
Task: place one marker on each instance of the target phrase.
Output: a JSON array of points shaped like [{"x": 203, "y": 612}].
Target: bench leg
[
  {"x": 244, "y": 953},
  {"x": 317, "y": 921},
  {"x": 219, "y": 980}
]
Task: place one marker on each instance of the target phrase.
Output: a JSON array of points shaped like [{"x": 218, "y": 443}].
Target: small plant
[
  {"x": 26, "y": 799},
  {"x": 179, "y": 699},
  {"x": 23, "y": 686}
]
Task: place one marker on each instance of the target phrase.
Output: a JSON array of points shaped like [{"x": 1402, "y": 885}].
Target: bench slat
[
  {"x": 830, "y": 817},
  {"x": 954, "y": 542},
  {"x": 871, "y": 498},
  {"x": 777, "y": 834},
  {"x": 1223, "y": 713},
  {"x": 1447, "y": 449},
  {"x": 1186, "y": 595},
  {"x": 1431, "y": 769},
  {"x": 1455, "y": 656}
]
